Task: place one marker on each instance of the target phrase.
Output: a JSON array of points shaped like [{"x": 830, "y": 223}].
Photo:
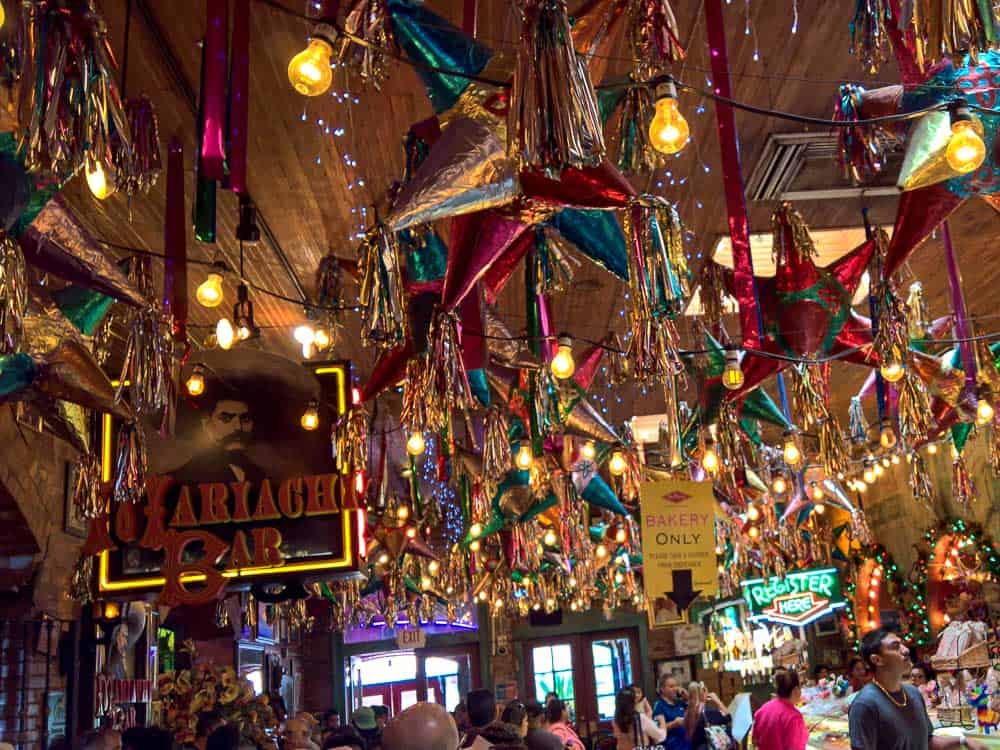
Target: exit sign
[{"x": 797, "y": 598}]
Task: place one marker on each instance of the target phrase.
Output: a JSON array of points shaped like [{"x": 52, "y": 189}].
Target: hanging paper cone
[
  {"x": 436, "y": 45},
  {"x": 598, "y": 30},
  {"x": 175, "y": 287},
  {"x": 477, "y": 242},
  {"x": 58, "y": 243},
  {"x": 597, "y": 492},
  {"x": 69, "y": 372},
  {"x": 919, "y": 213},
  {"x": 596, "y": 234},
  {"x": 239, "y": 97},
  {"x": 213, "y": 95},
  {"x": 388, "y": 371},
  {"x": 554, "y": 121},
  {"x": 500, "y": 272},
  {"x": 588, "y": 366},
  {"x": 466, "y": 170},
  {"x": 17, "y": 373},
  {"x": 86, "y": 309},
  {"x": 600, "y": 186}
]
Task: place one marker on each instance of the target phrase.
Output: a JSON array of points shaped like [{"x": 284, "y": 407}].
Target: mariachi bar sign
[
  {"x": 797, "y": 598},
  {"x": 240, "y": 493}
]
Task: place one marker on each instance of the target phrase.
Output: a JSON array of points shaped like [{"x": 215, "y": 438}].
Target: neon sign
[{"x": 797, "y": 598}]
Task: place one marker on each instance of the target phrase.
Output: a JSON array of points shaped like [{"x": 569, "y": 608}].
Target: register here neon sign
[{"x": 797, "y": 598}]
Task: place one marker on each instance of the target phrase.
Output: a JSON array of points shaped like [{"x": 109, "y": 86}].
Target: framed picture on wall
[
  {"x": 73, "y": 521},
  {"x": 663, "y": 613},
  {"x": 679, "y": 669},
  {"x": 265, "y": 627}
]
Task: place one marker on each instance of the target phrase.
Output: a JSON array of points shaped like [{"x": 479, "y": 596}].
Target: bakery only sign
[
  {"x": 796, "y": 598},
  {"x": 240, "y": 493}
]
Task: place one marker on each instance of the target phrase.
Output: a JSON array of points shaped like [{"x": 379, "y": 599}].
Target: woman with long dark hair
[{"x": 631, "y": 727}]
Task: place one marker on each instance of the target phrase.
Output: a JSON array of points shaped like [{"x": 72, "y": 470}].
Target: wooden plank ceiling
[{"x": 315, "y": 165}]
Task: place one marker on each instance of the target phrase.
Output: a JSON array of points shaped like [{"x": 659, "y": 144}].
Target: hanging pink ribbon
[
  {"x": 213, "y": 147},
  {"x": 962, "y": 329},
  {"x": 239, "y": 97},
  {"x": 474, "y": 353},
  {"x": 732, "y": 180},
  {"x": 175, "y": 300}
]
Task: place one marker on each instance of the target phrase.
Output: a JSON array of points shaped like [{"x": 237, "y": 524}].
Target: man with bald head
[{"x": 423, "y": 726}]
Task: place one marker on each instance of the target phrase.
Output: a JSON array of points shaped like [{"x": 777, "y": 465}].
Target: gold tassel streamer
[
  {"x": 995, "y": 450},
  {"x": 13, "y": 293},
  {"x": 130, "y": 465},
  {"x": 414, "y": 411},
  {"x": 832, "y": 446},
  {"x": 446, "y": 383},
  {"x": 620, "y": 367},
  {"x": 944, "y": 28},
  {"x": 382, "y": 297},
  {"x": 554, "y": 120},
  {"x": 920, "y": 482},
  {"x": 807, "y": 399},
  {"x": 81, "y": 583},
  {"x": 368, "y": 20},
  {"x": 496, "y": 445},
  {"x": 350, "y": 440},
  {"x": 633, "y": 152},
  {"x": 962, "y": 487},
  {"x": 914, "y": 407},
  {"x": 146, "y": 368},
  {"x": 802, "y": 243},
  {"x": 712, "y": 291},
  {"x": 916, "y": 311},
  {"x": 654, "y": 37},
  {"x": 892, "y": 341},
  {"x": 87, "y": 494},
  {"x": 137, "y": 164}
]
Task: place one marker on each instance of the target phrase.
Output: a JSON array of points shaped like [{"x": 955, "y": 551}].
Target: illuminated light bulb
[
  {"x": 617, "y": 465},
  {"x": 476, "y": 530},
  {"x": 840, "y": 476},
  {"x": 984, "y": 412},
  {"x": 411, "y": 532},
  {"x": 589, "y": 450},
  {"x": 196, "y": 381},
  {"x": 779, "y": 486},
  {"x": 752, "y": 513},
  {"x": 619, "y": 578},
  {"x": 721, "y": 569},
  {"x": 550, "y": 603},
  {"x": 98, "y": 180},
  {"x": 571, "y": 582},
  {"x": 415, "y": 445},
  {"x": 895, "y": 459},
  {"x": 718, "y": 550},
  {"x": 601, "y": 551},
  {"x": 524, "y": 458},
  {"x": 668, "y": 130},
  {"x": 304, "y": 334},
  {"x": 224, "y": 334},
  {"x": 321, "y": 339},
  {"x": 383, "y": 558},
  {"x": 562, "y": 365},
  {"x": 790, "y": 451},
  {"x": 308, "y": 350},
  {"x": 932, "y": 448},
  {"x": 209, "y": 292},
  {"x": 819, "y": 508},
  {"x": 483, "y": 596},
  {"x": 732, "y": 376},
  {"x": 887, "y": 437},
  {"x": 892, "y": 372},
  {"x": 310, "y": 417},
  {"x": 816, "y": 491},
  {"x": 572, "y": 606},
  {"x": 403, "y": 512},
  {"x": 359, "y": 482},
  {"x": 872, "y": 593},
  {"x": 869, "y": 473},
  {"x": 309, "y": 72},
  {"x": 753, "y": 532},
  {"x": 434, "y": 567},
  {"x": 620, "y": 535},
  {"x": 3, "y": 15},
  {"x": 710, "y": 460},
  {"x": 861, "y": 487},
  {"x": 966, "y": 150},
  {"x": 550, "y": 538},
  {"x": 871, "y": 609},
  {"x": 425, "y": 583},
  {"x": 474, "y": 545},
  {"x": 112, "y": 611},
  {"x": 879, "y": 471},
  {"x": 243, "y": 333},
  {"x": 886, "y": 463}
]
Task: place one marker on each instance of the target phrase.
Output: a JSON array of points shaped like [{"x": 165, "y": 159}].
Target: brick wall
[{"x": 24, "y": 655}]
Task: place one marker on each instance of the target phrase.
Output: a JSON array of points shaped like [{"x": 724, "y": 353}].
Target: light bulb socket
[
  {"x": 665, "y": 90},
  {"x": 247, "y": 230},
  {"x": 324, "y": 32},
  {"x": 565, "y": 340},
  {"x": 243, "y": 311},
  {"x": 958, "y": 111}
]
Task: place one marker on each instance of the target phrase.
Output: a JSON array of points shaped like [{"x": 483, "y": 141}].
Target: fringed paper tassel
[
  {"x": 914, "y": 408},
  {"x": 414, "y": 414},
  {"x": 81, "y": 588},
  {"x": 654, "y": 37},
  {"x": 892, "y": 341},
  {"x": 963, "y": 489},
  {"x": 130, "y": 465},
  {"x": 382, "y": 297},
  {"x": 350, "y": 440},
  {"x": 916, "y": 312},
  {"x": 802, "y": 243},
  {"x": 857, "y": 423},
  {"x": 869, "y": 33},
  {"x": 807, "y": 398},
  {"x": 87, "y": 498},
  {"x": 13, "y": 293},
  {"x": 69, "y": 105},
  {"x": 496, "y": 445},
  {"x": 634, "y": 153},
  {"x": 368, "y": 21},
  {"x": 138, "y": 163},
  {"x": 832, "y": 447},
  {"x": 920, "y": 481},
  {"x": 554, "y": 119},
  {"x": 446, "y": 383},
  {"x": 620, "y": 366},
  {"x": 712, "y": 290},
  {"x": 953, "y": 29},
  {"x": 995, "y": 450},
  {"x": 861, "y": 149},
  {"x": 147, "y": 364},
  {"x": 730, "y": 445},
  {"x": 554, "y": 263}
]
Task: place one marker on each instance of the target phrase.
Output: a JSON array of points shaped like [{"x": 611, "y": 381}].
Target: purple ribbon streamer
[
  {"x": 213, "y": 148},
  {"x": 239, "y": 97},
  {"x": 175, "y": 300},
  {"x": 962, "y": 328}
]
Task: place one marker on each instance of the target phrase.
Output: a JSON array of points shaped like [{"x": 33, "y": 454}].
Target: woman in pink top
[
  {"x": 778, "y": 724},
  {"x": 557, "y": 722}
]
